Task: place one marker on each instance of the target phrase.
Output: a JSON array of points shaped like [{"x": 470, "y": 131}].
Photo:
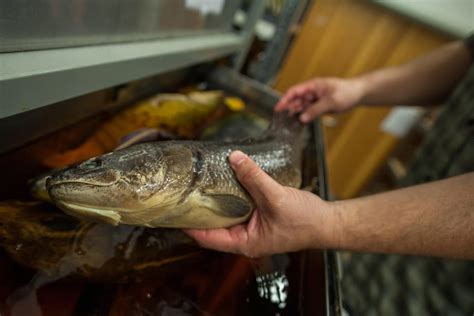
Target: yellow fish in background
[{"x": 180, "y": 114}]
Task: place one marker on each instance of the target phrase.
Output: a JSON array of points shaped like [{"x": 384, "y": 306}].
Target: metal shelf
[{"x": 33, "y": 79}]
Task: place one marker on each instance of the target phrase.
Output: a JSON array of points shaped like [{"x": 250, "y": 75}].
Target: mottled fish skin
[{"x": 185, "y": 184}]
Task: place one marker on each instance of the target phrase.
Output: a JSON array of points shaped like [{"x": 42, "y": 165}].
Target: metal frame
[
  {"x": 245, "y": 87},
  {"x": 29, "y": 80},
  {"x": 268, "y": 66},
  {"x": 44, "y": 120},
  {"x": 255, "y": 12},
  {"x": 331, "y": 260}
]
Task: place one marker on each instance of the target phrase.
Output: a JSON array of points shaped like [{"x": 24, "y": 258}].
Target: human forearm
[
  {"x": 426, "y": 80},
  {"x": 432, "y": 219},
  {"x": 435, "y": 219}
]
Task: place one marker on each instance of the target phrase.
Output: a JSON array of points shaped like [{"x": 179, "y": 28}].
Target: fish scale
[{"x": 183, "y": 184}]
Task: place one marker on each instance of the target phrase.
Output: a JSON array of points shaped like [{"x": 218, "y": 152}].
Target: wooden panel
[{"x": 345, "y": 38}]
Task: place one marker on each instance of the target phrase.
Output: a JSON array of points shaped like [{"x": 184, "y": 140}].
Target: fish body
[{"x": 184, "y": 184}]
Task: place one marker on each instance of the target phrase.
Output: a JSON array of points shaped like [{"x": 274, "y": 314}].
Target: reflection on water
[
  {"x": 273, "y": 287},
  {"x": 42, "y": 238},
  {"x": 123, "y": 270},
  {"x": 84, "y": 268}
]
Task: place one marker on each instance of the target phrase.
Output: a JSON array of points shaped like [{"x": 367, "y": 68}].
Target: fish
[
  {"x": 37, "y": 185},
  {"x": 177, "y": 184}
]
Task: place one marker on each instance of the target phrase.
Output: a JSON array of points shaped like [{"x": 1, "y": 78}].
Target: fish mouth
[
  {"x": 50, "y": 183},
  {"x": 90, "y": 212},
  {"x": 53, "y": 181},
  {"x": 97, "y": 177}
]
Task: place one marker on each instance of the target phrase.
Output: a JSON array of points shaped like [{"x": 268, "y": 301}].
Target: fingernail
[
  {"x": 304, "y": 118},
  {"x": 236, "y": 157}
]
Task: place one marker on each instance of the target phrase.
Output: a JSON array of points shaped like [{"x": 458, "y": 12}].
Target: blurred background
[
  {"x": 366, "y": 154},
  {"x": 348, "y": 38}
]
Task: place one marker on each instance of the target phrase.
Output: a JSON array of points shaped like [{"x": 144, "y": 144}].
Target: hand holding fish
[
  {"x": 321, "y": 95},
  {"x": 285, "y": 219}
]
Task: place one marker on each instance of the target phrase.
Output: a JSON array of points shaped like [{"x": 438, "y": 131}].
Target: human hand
[
  {"x": 285, "y": 219},
  {"x": 321, "y": 95}
]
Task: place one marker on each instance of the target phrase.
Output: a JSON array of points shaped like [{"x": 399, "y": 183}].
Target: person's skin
[
  {"x": 424, "y": 81},
  {"x": 435, "y": 219}
]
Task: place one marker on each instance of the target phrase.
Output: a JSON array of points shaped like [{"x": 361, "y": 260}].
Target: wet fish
[
  {"x": 37, "y": 185},
  {"x": 183, "y": 184}
]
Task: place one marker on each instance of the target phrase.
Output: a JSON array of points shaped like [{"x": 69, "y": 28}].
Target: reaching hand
[
  {"x": 285, "y": 219},
  {"x": 321, "y": 95}
]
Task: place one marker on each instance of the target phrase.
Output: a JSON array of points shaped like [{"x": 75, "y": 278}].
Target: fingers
[
  {"x": 295, "y": 106},
  {"x": 302, "y": 93},
  {"x": 232, "y": 239},
  {"x": 320, "y": 107},
  {"x": 285, "y": 100},
  {"x": 259, "y": 184}
]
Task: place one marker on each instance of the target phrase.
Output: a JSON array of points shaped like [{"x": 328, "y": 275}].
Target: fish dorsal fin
[{"x": 284, "y": 124}]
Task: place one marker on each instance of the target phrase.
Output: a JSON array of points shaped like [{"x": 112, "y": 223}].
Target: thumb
[{"x": 259, "y": 184}]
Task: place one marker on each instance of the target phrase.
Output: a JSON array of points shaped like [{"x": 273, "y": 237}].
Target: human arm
[
  {"x": 426, "y": 80},
  {"x": 434, "y": 219}
]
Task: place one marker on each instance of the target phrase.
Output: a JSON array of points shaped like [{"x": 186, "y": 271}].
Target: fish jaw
[
  {"x": 131, "y": 212},
  {"x": 149, "y": 184},
  {"x": 163, "y": 210},
  {"x": 95, "y": 203},
  {"x": 90, "y": 213}
]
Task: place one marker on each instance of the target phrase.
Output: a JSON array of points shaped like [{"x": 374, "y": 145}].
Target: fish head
[{"x": 120, "y": 183}]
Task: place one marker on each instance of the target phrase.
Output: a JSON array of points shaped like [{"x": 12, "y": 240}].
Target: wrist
[
  {"x": 361, "y": 85},
  {"x": 336, "y": 223},
  {"x": 327, "y": 227}
]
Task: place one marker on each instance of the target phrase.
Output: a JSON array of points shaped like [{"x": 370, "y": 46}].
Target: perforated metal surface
[{"x": 375, "y": 284}]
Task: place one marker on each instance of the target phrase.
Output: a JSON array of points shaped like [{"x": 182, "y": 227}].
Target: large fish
[{"x": 183, "y": 184}]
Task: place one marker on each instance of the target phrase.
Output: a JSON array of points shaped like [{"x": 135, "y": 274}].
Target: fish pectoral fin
[{"x": 227, "y": 205}]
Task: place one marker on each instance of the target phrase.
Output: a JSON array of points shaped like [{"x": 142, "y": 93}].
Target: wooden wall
[{"x": 345, "y": 38}]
